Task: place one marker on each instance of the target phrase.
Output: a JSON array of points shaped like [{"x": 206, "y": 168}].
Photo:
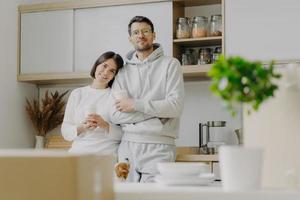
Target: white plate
[
  {"x": 182, "y": 168},
  {"x": 204, "y": 179}
]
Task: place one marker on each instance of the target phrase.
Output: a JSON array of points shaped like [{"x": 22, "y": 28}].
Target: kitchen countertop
[
  {"x": 196, "y": 158},
  {"x": 154, "y": 191},
  {"x": 193, "y": 154}
]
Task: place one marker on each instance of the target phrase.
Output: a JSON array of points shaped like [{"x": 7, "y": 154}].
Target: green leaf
[{"x": 247, "y": 81}]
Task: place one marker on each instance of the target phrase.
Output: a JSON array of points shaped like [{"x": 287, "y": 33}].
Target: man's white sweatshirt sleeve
[
  {"x": 118, "y": 117},
  {"x": 172, "y": 105},
  {"x": 115, "y": 131}
]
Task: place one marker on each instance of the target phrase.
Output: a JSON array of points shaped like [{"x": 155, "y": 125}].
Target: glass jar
[
  {"x": 204, "y": 56},
  {"x": 199, "y": 27},
  {"x": 216, "y": 54},
  {"x": 215, "y": 25},
  {"x": 187, "y": 57},
  {"x": 183, "y": 29}
]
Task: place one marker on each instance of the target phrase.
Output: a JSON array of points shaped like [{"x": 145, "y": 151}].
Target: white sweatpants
[{"x": 143, "y": 158}]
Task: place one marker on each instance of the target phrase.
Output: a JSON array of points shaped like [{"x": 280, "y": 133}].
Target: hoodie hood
[{"x": 131, "y": 57}]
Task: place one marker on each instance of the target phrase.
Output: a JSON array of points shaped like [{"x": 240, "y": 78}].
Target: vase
[
  {"x": 39, "y": 142},
  {"x": 240, "y": 168}
]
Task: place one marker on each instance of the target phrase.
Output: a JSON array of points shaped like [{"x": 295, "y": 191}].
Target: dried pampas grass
[{"x": 49, "y": 115}]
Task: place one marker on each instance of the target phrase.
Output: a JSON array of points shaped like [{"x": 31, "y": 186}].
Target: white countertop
[{"x": 154, "y": 191}]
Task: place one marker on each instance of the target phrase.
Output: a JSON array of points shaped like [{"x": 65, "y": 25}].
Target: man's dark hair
[
  {"x": 105, "y": 56},
  {"x": 140, "y": 19}
]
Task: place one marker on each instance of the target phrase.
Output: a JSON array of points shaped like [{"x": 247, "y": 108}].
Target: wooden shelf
[
  {"x": 189, "y": 3},
  {"x": 196, "y": 72},
  {"x": 196, "y": 42},
  {"x": 190, "y": 72},
  {"x": 51, "y": 78}
]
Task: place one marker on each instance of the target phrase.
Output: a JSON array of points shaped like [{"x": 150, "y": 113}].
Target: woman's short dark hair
[
  {"x": 104, "y": 57},
  {"x": 140, "y": 19}
]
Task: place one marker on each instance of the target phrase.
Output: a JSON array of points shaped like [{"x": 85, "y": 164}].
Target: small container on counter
[
  {"x": 215, "y": 28},
  {"x": 182, "y": 28},
  {"x": 216, "y": 54},
  {"x": 204, "y": 56},
  {"x": 199, "y": 27}
]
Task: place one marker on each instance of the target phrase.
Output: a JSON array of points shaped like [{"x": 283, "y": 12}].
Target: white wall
[
  {"x": 202, "y": 106},
  {"x": 16, "y": 129},
  {"x": 276, "y": 128},
  {"x": 15, "y": 126},
  {"x": 262, "y": 30},
  {"x": 269, "y": 30}
]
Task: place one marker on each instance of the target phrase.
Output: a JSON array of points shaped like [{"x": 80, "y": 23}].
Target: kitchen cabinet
[
  {"x": 182, "y": 8},
  {"x": 46, "y": 42},
  {"x": 105, "y": 29},
  {"x": 58, "y": 42}
]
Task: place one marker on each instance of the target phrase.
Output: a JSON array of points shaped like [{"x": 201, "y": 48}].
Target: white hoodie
[{"x": 156, "y": 85}]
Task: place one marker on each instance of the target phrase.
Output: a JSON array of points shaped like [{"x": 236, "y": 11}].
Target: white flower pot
[{"x": 240, "y": 168}]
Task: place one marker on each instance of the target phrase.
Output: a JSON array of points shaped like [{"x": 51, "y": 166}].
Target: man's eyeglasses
[{"x": 145, "y": 32}]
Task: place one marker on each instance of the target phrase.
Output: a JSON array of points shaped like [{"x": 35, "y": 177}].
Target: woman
[{"x": 86, "y": 120}]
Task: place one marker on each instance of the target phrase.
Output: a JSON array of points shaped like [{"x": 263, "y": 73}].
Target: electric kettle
[{"x": 208, "y": 141}]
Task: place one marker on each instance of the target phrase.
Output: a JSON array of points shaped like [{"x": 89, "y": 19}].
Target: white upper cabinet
[
  {"x": 46, "y": 42},
  {"x": 105, "y": 29},
  {"x": 263, "y": 30}
]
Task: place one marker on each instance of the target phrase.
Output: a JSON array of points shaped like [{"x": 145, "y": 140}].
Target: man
[{"x": 150, "y": 115}]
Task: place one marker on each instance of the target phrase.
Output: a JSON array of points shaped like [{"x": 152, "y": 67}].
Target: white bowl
[
  {"x": 182, "y": 168},
  {"x": 204, "y": 179}
]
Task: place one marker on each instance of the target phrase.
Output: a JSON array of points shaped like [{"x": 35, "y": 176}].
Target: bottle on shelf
[
  {"x": 183, "y": 29},
  {"x": 215, "y": 28},
  {"x": 199, "y": 27},
  {"x": 204, "y": 56},
  {"x": 189, "y": 57},
  {"x": 216, "y": 54}
]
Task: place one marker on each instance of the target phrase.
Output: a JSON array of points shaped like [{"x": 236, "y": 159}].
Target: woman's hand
[
  {"x": 84, "y": 126},
  {"x": 94, "y": 121},
  {"x": 125, "y": 105}
]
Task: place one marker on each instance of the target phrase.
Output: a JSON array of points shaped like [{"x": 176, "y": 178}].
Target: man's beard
[{"x": 144, "y": 48}]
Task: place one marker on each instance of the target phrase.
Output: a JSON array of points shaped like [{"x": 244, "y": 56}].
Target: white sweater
[
  {"x": 80, "y": 102},
  {"x": 156, "y": 85}
]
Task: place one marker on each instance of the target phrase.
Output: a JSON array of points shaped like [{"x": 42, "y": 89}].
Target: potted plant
[
  {"x": 239, "y": 81},
  {"x": 47, "y": 116}
]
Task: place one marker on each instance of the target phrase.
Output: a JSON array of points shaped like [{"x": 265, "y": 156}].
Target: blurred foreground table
[{"x": 153, "y": 191}]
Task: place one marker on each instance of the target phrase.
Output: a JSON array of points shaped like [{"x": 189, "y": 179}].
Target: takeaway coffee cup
[
  {"x": 120, "y": 94},
  {"x": 90, "y": 110}
]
